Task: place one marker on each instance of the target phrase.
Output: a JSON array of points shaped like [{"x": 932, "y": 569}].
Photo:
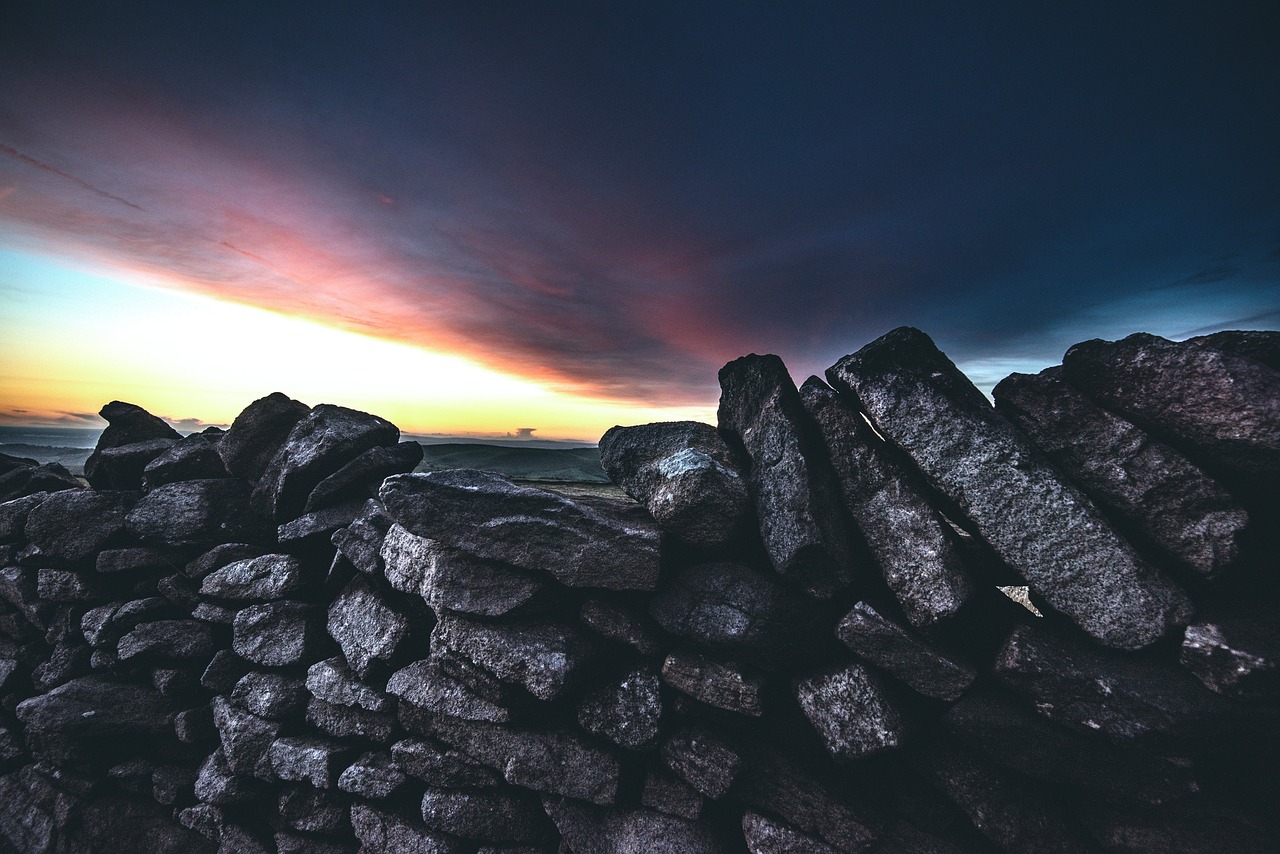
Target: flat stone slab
[
  {"x": 850, "y": 711},
  {"x": 720, "y": 684},
  {"x": 886, "y": 644},
  {"x": 542, "y": 657},
  {"x": 1043, "y": 527}
]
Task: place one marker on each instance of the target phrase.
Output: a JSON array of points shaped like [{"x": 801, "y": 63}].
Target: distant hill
[
  {"x": 72, "y": 458},
  {"x": 571, "y": 465}
]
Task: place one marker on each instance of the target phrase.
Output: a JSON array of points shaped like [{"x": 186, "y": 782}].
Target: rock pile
[{"x": 873, "y": 613}]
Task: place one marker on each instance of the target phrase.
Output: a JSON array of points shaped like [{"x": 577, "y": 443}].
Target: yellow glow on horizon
[{"x": 76, "y": 340}]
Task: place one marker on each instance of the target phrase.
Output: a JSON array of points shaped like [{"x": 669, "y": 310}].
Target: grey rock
[
  {"x": 64, "y": 585},
  {"x": 1087, "y": 688},
  {"x": 176, "y": 682},
  {"x": 1235, "y": 657},
  {"x": 912, "y": 545},
  {"x": 195, "y": 726},
  {"x": 18, "y": 587},
  {"x": 731, "y": 606},
  {"x": 25, "y": 481},
  {"x": 331, "y": 680},
  {"x": 127, "y": 424},
  {"x": 257, "y": 433},
  {"x": 318, "y": 445},
  {"x": 720, "y": 684},
  {"x": 319, "y": 524},
  {"x": 9, "y": 462},
  {"x": 763, "y": 835},
  {"x": 451, "y": 580},
  {"x": 218, "y": 557},
  {"x": 1263, "y": 347},
  {"x": 67, "y": 661},
  {"x": 246, "y": 739},
  {"x": 886, "y": 644},
  {"x": 238, "y": 839},
  {"x": 543, "y": 658},
  {"x": 360, "y": 478},
  {"x": 171, "y": 782},
  {"x": 366, "y": 625},
  {"x": 669, "y": 794},
  {"x": 195, "y": 513},
  {"x": 122, "y": 467},
  {"x": 627, "y": 712},
  {"x": 270, "y": 576},
  {"x": 194, "y": 457},
  {"x": 686, "y": 476},
  {"x": 499, "y": 816},
  {"x": 275, "y": 696},
  {"x": 138, "y": 561},
  {"x": 74, "y": 524},
  {"x": 361, "y": 541},
  {"x": 277, "y": 634},
  {"x": 790, "y": 480},
  {"x": 303, "y": 759},
  {"x": 427, "y": 686},
  {"x": 384, "y": 830},
  {"x": 373, "y": 775},
  {"x": 1043, "y": 527},
  {"x": 314, "y": 810},
  {"x": 850, "y": 711},
  {"x": 558, "y": 762},
  {"x": 179, "y": 591},
  {"x": 167, "y": 640},
  {"x": 601, "y": 830},
  {"x": 619, "y": 624},
  {"x": 1221, "y": 408},
  {"x": 13, "y": 515},
  {"x": 702, "y": 760},
  {"x": 1021, "y": 740},
  {"x": 208, "y": 612},
  {"x": 441, "y": 766},
  {"x": 1171, "y": 501},
  {"x": 350, "y": 721},
  {"x": 205, "y": 819},
  {"x": 96, "y": 709},
  {"x": 287, "y": 842},
  {"x": 224, "y": 671},
  {"x": 580, "y": 545}
]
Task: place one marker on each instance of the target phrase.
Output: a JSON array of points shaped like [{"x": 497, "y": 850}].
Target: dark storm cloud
[{"x": 621, "y": 197}]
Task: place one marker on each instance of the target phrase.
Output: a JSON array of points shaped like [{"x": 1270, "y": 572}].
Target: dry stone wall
[{"x": 869, "y": 614}]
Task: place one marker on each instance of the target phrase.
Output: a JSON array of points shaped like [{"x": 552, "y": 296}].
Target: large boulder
[
  {"x": 193, "y": 458},
  {"x": 361, "y": 477},
  {"x": 542, "y": 657},
  {"x": 72, "y": 525},
  {"x": 685, "y": 474},
  {"x": 96, "y": 710},
  {"x": 257, "y": 433},
  {"x": 27, "y": 480},
  {"x": 196, "y": 513},
  {"x": 1042, "y": 526},
  {"x": 127, "y": 424}
]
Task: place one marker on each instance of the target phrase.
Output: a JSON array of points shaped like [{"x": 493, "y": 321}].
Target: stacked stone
[{"x": 874, "y": 613}]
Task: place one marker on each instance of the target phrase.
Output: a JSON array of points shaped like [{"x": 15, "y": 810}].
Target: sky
[{"x": 549, "y": 218}]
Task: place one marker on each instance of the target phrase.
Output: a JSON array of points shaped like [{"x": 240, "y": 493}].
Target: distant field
[{"x": 72, "y": 458}]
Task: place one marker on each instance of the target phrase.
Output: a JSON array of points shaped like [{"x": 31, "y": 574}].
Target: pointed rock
[
  {"x": 257, "y": 433},
  {"x": 366, "y": 625},
  {"x": 192, "y": 458},
  {"x": 127, "y": 423},
  {"x": 360, "y": 478}
]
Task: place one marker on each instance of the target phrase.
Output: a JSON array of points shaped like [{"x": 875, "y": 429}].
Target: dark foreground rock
[{"x": 127, "y": 424}]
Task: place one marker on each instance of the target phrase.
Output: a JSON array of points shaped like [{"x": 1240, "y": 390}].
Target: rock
[
  {"x": 257, "y": 433},
  {"x": 850, "y": 711},
  {"x": 686, "y": 476},
  {"x": 224, "y": 671},
  {"x": 790, "y": 480},
  {"x": 440, "y": 766},
  {"x": 13, "y": 515},
  {"x": 318, "y": 445},
  {"x": 628, "y": 713},
  {"x": 1022, "y": 741},
  {"x": 1168, "y": 499},
  {"x": 275, "y": 696},
  {"x": 138, "y": 561},
  {"x": 315, "y": 811},
  {"x": 195, "y": 513},
  {"x": 597, "y": 830},
  {"x": 491, "y": 518},
  {"x": 71, "y": 525},
  {"x": 1263, "y": 347},
  {"x": 383, "y": 830},
  {"x": 619, "y": 624},
  {"x": 319, "y": 524},
  {"x": 332, "y": 681},
  {"x": 171, "y": 782},
  {"x": 725, "y": 686},
  {"x": 428, "y": 687},
  {"x": 205, "y": 819},
  {"x": 373, "y": 775},
  {"x": 1235, "y": 657},
  {"x": 669, "y": 794},
  {"x": 194, "y": 457},
  {"x": 365, "y": 625},
  {"x": 1044, "y": 528},
  {"x": 127, "y": 424},
  {"x": 23, "y": 481},
  {"x": 297, "y": 843},
  {"x": 765, "y": 836},
  {"x": 543, "y": 658},
  {"x": 18, "y": 587},
  {"x": 218, "y": 557},
  {"x": 237, "y": 839},
  {"x": 451, "y": 580},
  {"x": 175, "y": 682},
  {"x": 1178, "y": 828},
  {"x": 8, "y": 463},
  {"x": 1218, "y": 407},
  {"x": 361, "y": 541},
  {"x": 167, "y": 640},
  {"x": 558, "y": 762},
  {"x": 702, "y": 760},
  {"x": 1089, "y": 689},
  {"x": 360, "y": 478},
  {"x": 277, "y": 634},
  {"x": 67, "y": 661},
  {"x": 96, "y": 709},
  {"x": 887, "y": 645},
  {"x": 246, "y": 739},
  {"x": 499, "y": 816},
  {"x": 64, "y": 585},
  {"x": 350, "y": 721},
  {"x": 269, "y": 576},
  {"x": 195, "y": 726},
  {"x": 1004, "y": 809},
  {"x": 121, "y": 467},
  {"x": 303, "y": 759},
  {"x": 913, "y": 546}
]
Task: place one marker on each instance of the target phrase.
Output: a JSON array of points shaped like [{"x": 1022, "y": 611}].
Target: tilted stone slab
[
  {"x": 127, "y": 424},
  {"x": 360, "y": 477},
  {"x": 911, "y": 544},
  {"x": 685, "y": 474},
  {"x": 1171, "y": 501},
  {"x": 542, "y": 657},
  {"x": 850, "y": 711},
  {"x": 886, "y": 644},
  {"x": 1042, "y": 526},
  {"x": 71, "y": 525},
  {"x": 720, "y": 684},
  {"x": 790, "y": 481},
  {"x": 491, "y": 518},
  {"x": 264, "y": 577},
  {"x": 257, "y": 434},
  {"x": 427, "y": 686},
  {"x": 365, "y": 623}
]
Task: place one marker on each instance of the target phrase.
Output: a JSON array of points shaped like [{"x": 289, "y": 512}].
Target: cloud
[{"x": 524, "y": 432}]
